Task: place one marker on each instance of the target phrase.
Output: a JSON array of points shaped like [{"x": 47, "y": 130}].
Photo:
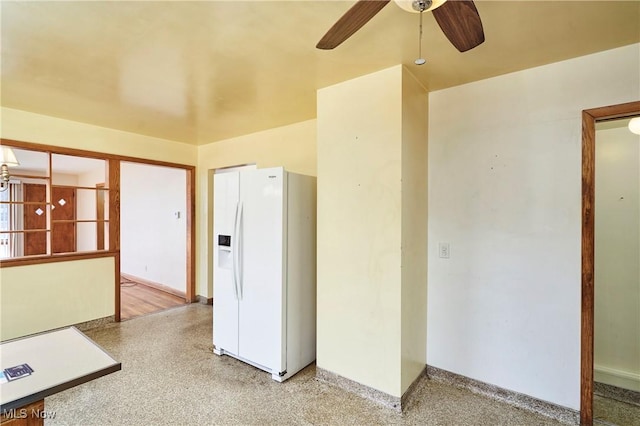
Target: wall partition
[{"x": 60, "y": 237}]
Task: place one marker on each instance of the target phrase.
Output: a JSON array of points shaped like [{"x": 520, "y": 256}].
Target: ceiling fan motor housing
[{"x": 421, "y": 5}]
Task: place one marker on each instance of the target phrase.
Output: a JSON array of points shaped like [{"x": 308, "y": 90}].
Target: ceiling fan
[{"x": 458, "y": 19}]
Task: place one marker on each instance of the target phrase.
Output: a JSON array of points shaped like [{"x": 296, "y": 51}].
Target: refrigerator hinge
[{"x": 282, "y": 373}]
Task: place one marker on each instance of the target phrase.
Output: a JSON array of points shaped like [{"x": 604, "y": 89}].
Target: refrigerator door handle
[
  {"x": 234, "y": 250},
  {"x": 240, "y": 237}
]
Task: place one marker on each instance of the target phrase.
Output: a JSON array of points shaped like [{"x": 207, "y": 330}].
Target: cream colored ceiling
[{"x": 199, "y": 72}]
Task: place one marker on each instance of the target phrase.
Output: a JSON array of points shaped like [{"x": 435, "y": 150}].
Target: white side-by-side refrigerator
[{"x": 264, "y": 288}]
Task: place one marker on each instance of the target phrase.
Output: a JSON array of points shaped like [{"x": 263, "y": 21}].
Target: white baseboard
[{"x": 622, "y": 379}]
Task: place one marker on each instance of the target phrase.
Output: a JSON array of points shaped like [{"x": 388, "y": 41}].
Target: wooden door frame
[
  {"x": 100, "y": 201},
  {"x": 589, "y": 118},
  {"x": 190, "y": 215}
]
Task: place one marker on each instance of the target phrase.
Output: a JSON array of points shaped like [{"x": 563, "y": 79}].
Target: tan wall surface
[
  {"x": 42, "y": 297},
  {"x": 505, "y": 192},
  {"x": 293, "y": 147},
  {"x": 29, "y": 127},
  {"x": 414, "y": 228},
  {"x": 359, "y": 220}
]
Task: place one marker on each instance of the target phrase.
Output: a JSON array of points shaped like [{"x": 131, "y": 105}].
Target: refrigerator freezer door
[
  {"x": 225, "y": 303},
  {"x": 262, "y": 324}
]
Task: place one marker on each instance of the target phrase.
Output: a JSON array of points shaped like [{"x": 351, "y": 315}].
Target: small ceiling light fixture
[
  {"x": 7, "y": 159},
  {"x": 634, "y": 125},
  {"x": 414, "y": 5},
  {"x": 422, "y": 5},
  {"x": 419, "y": 6}
]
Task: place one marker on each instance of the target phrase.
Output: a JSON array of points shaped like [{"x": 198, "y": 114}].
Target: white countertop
[{"x": 60, "y": 360}]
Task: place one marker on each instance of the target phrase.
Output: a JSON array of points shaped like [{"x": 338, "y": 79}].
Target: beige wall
[
  {"x": 361, "y": 201},
  {"x": 414, "y": 228},
  {"x": 505, "y": 192},
  {"x": 70, "y": 303},
  {"x": 29, "y": 127},
  {"x": 293, "y": 147},
  {"x": 46, "y": 296}
]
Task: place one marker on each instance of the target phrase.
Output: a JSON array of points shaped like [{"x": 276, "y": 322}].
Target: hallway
[{"x": 138, "y": 299}]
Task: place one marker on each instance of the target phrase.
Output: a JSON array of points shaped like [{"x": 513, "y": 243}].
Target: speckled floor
[
  {"x": 607, "y": 411},
  {"x": 171, "y": 376}
]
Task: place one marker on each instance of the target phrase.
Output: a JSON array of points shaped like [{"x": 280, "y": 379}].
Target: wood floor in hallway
[{"x": 138, "y": 299}]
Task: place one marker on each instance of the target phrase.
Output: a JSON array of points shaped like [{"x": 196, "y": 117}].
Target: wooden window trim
[
  {"x": 90, "y": 188},
  {"x": 17, "y": 175},
  {"x": 100, "y": 201},
  {"x": 53, "y": 258},
  {"x": 23, "y": 231},
  {"x": 113, "y": 185},
  {"x": 25, "y": 203}
]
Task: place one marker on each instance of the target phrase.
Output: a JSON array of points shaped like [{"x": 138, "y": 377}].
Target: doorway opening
[
  {"x": 153, "y": 238},
  {"x": 589, "y": 119}
]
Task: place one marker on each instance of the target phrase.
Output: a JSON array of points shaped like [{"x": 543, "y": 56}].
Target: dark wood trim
[
  {"x": 77, "y": 221},
  {"x": 612, "y": 112},
  {"x": 113, "y": 178},
  {"x": 49, "y": 200},
  {"x": 25, "y": 231},
  {"x": 116, "y": 274},
  {"x": 91, "y": 188},
  {"x": 191, "y": 236},
  {"x": 114, "y": 204},
  {"x": 17, "y": 175},
  {"x": 100, "y": 220},
  {"x": 586, "y": 334},
  {"x": 589, "y": 118},
  {"x": 63, "y": 257},
  {"x": 25, "y": 203}
]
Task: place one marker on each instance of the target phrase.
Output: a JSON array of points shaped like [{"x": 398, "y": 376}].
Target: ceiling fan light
[
  {"x": 634, "y": 125},
  {"x": 408, "y": 5}
]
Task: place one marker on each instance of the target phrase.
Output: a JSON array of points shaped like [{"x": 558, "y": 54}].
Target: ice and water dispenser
[{"x": 225, "y": 260}]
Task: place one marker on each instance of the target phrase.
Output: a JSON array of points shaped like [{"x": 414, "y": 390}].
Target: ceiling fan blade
[
  {"x": 359, "y": 14},
  {"x": 460, "y": 21}
]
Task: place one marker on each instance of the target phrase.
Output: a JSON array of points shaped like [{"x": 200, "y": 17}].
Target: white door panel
[{"x": 261, "y": 306}]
